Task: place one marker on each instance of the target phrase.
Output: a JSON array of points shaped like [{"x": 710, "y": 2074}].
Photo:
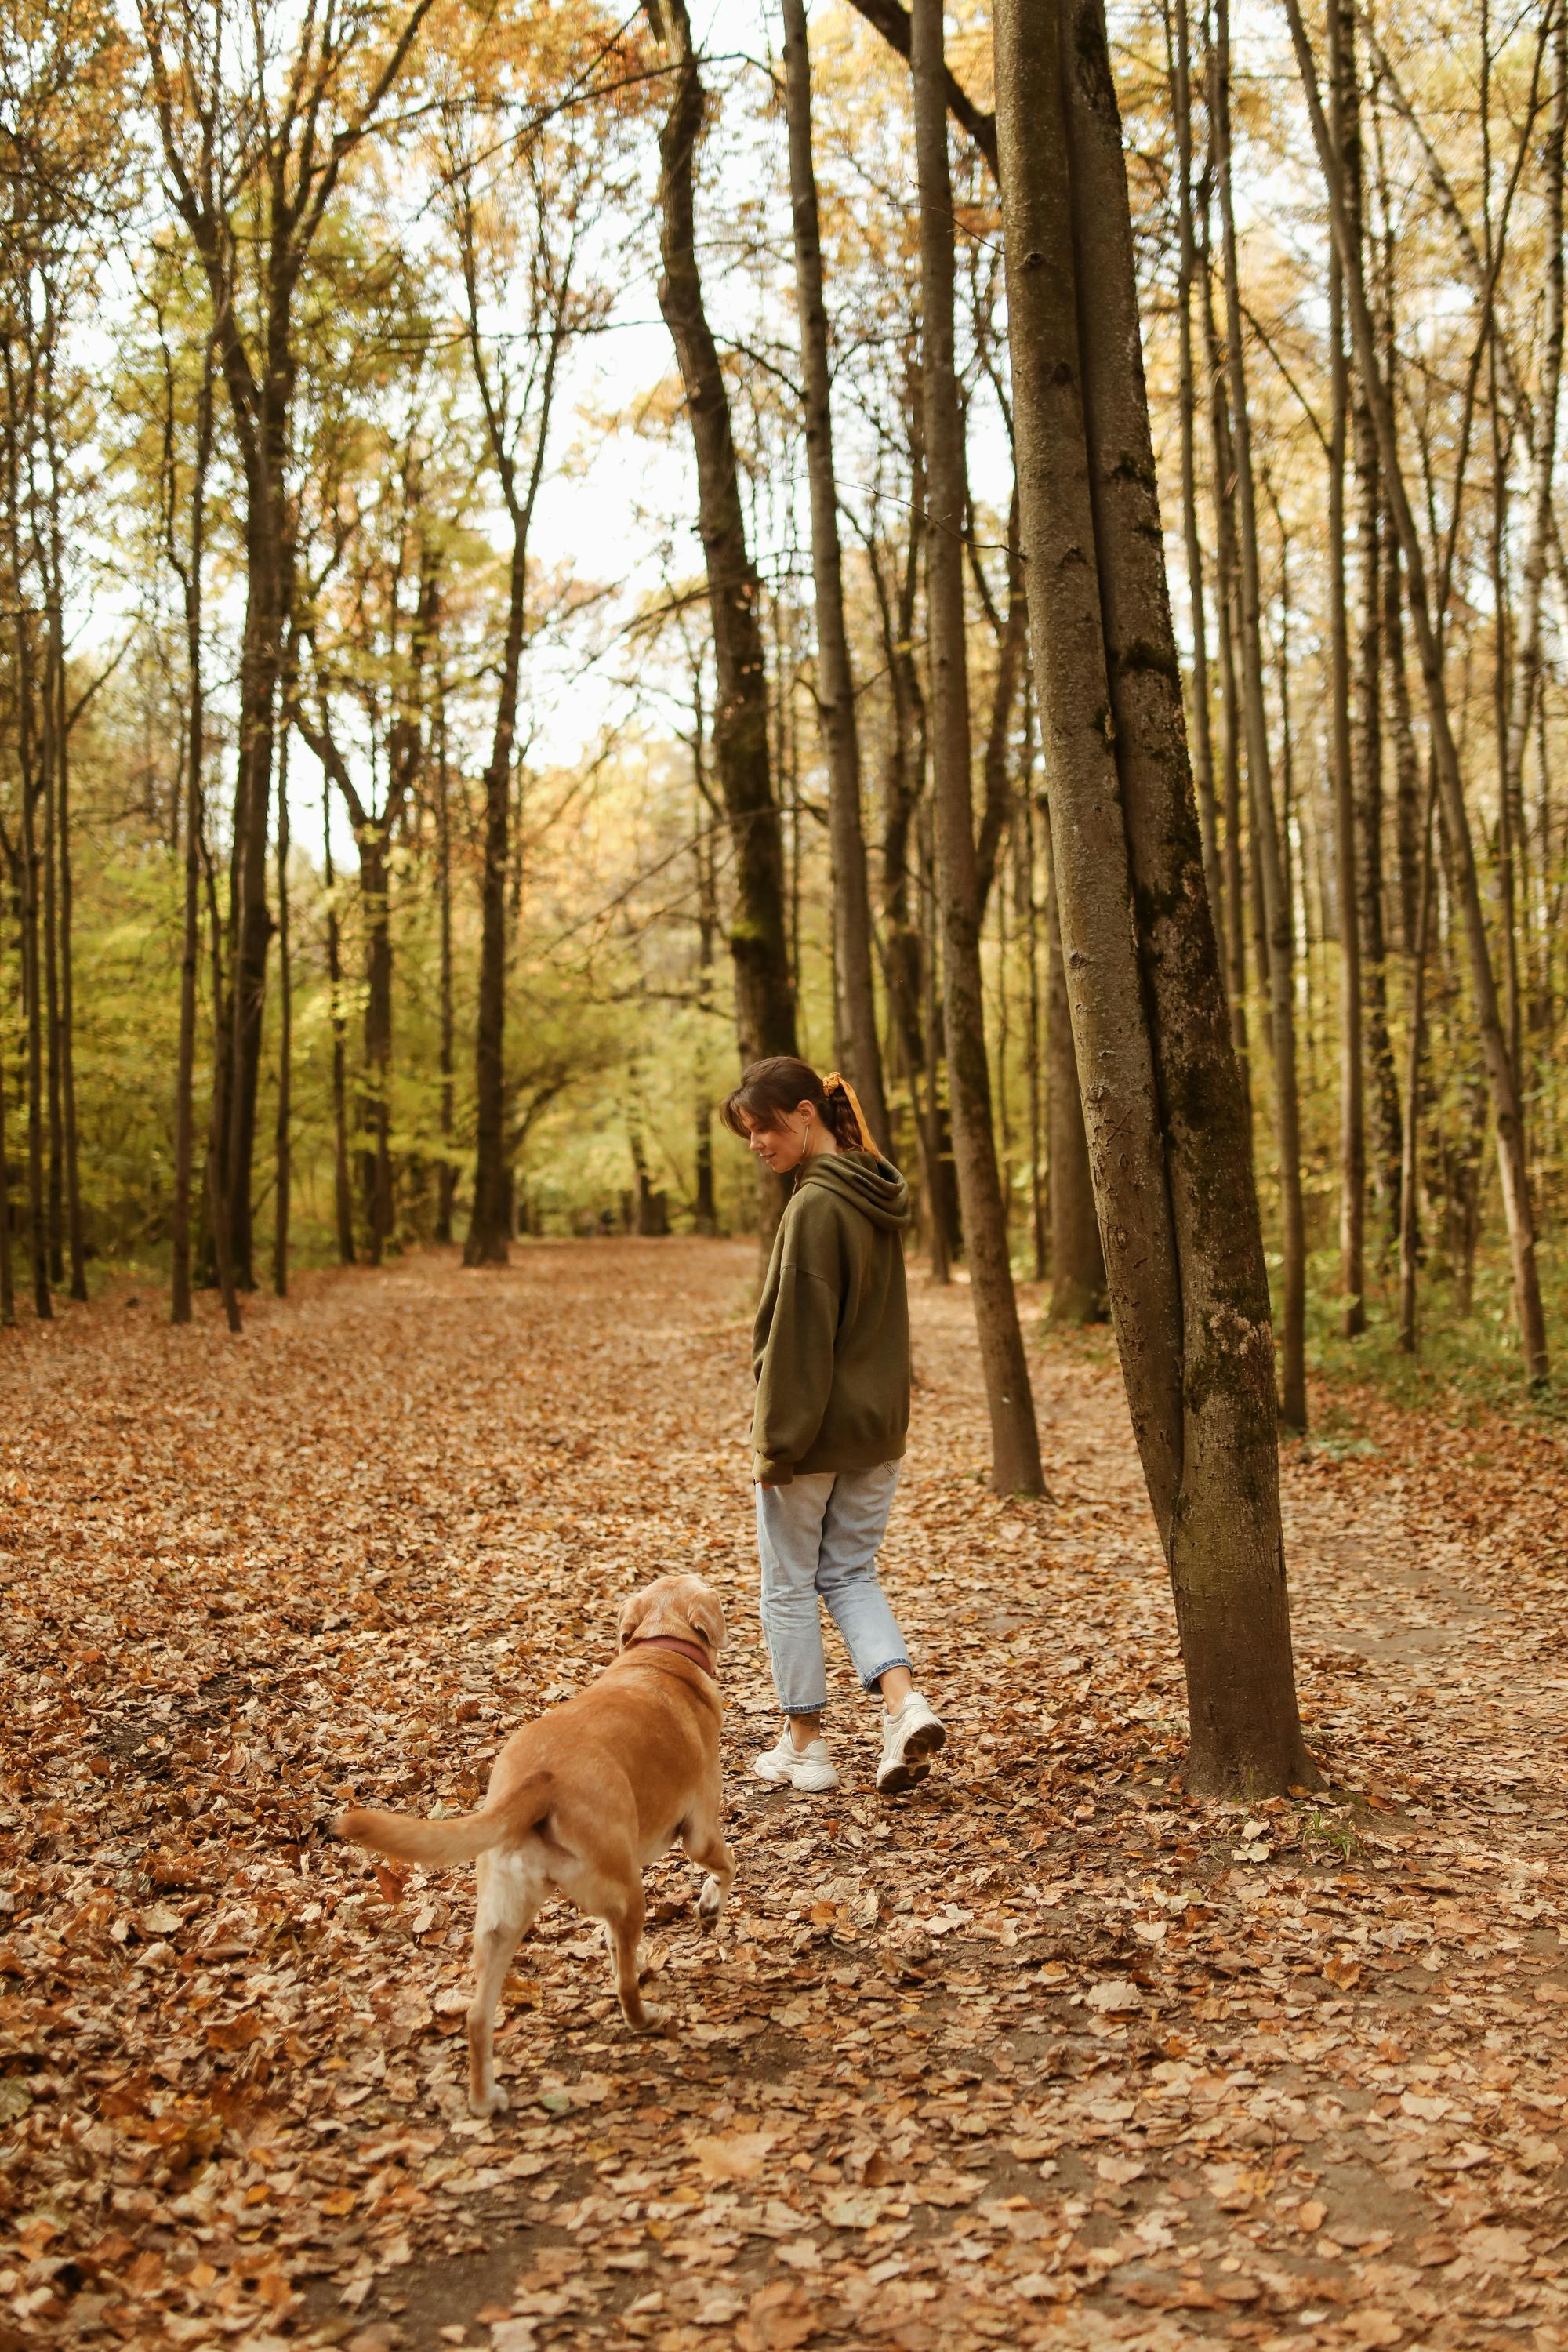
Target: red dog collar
[{"x": 673, "y": 1642}]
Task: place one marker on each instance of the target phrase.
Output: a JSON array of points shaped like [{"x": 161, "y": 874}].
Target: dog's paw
[
  {"x": 495, "y": 2103},
  {"x": 710, "y": 1901},
  {"x": 650, "y": 2021}
]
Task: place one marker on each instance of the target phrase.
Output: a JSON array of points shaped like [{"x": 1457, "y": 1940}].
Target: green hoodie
[{"x": 831, "y": 1344}]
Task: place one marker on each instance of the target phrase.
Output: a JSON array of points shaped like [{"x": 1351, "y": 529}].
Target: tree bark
[
  {"x": 1352, "y": 1093},
  {"x": 1264, "y": 813},
  {"x": 1163, "y": 1102},
  {"x": 1409, "y": 1224},
  {"x": 65, "y": 1042},
  {"x": 189, "y": 570},
  {"x": 1203, "y": 733},
  {"x": 447, "y": 1174},
  {"x": 1234, "y": 933},
  {"x": 1014, "y": 1439},
  {"x": 7, "y": 1267},
  {"x": 759, "y": 948},
  {"x": 1525, "y": 682},
  {"x": 861, "y": 1052},
  {"x": 281, "y": 1135},
  {"x": 342, "y": 1190},
  {"x": 1500, "y": 1074},
  {"x": 1078, "y": 1257}
]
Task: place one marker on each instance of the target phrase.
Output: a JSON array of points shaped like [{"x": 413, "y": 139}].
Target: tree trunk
[
  {"x": 1038, "y": 1090},
  {"x": 32, "y": 991},
  {"x": 1527, "y": 662},
  {"x": 764, "y": 991},
  {"x": 216, "y": 1190},
  {"x": 1409, "y": 1228},
  {"x": 268, "y": 566},
  {"x": 1352, "y": 1096},
  {"x": 1265, "y": 819},
  {"x": 1077, "y": 1255},
  {"x": 190, "y": 571},
  {"x": 376, "y": 1165},
  {"x": 445, "y": 1179},
  {"x": 60, "y": 719},
  {"x": 1014, "y": 1439},
  {"x": 1202, "y": 736},
  {"x": 836, "y": 686},
  {"x": 903, "y": 961},
  {"x": 51, "y": 702},
  {"x": 343, "y": 1191},
  {"x": 1233, "y": 934},
  {"x": 1367, "y": 746},
  {"x": 705, "y": 1205},
  {"x": 1500, "y": 1074},
  {"x": 7, "y": 1269},
  {"x": 1163, "y": 1102},
  {"x": 1406, "y": 758},
  {"x": 281, "y": 1146},
  {"x": 489, "y": 1241}
]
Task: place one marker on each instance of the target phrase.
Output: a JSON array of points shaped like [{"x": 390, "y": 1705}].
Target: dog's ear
[
  {"x": 705, "y": 1618},
  {"x": 634, "y": 1608}
]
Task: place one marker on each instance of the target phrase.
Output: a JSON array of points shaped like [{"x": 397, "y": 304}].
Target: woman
[{"x": 831, "y": 1354}]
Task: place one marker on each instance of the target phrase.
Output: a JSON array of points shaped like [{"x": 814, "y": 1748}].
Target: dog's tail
[{"x": 438, "y": 1845}]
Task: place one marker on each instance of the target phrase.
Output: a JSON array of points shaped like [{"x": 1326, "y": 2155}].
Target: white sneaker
[
  {"x": 809, "y": 1769},
  {"x": 910, "y": 1739}
]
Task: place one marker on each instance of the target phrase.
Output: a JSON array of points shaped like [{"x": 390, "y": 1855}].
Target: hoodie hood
[{"x": 871, "y": 1185}]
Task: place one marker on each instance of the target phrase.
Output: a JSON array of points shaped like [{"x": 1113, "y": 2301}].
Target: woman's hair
[{"x": 771, "y": 1091}]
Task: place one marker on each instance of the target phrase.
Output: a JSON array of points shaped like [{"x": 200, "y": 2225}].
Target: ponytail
[{"x": 770, "y": 1091}]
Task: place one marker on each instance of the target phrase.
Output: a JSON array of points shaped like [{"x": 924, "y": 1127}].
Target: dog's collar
[{"x": 673, "y": 1642}]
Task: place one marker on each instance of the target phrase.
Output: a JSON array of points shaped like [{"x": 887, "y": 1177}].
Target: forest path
[{"x": 1038, "y": 2054}]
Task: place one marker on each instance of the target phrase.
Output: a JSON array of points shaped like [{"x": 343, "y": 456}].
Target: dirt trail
[{"x": 1041, "y": 2054}]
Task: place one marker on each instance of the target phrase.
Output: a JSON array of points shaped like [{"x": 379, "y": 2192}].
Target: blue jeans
[{"x": 818, "y": 1538}]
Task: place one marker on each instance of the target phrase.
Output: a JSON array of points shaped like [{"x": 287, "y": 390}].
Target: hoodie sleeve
[{"x": 795, "y": 1373}]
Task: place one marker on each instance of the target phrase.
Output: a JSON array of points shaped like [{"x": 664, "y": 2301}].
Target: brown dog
[{"x": 581, "y": 1802}]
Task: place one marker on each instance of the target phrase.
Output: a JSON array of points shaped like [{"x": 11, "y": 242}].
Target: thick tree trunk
[
  {"x": 1265, "y": 816},
  {"x": 1014, "y": 1439},
  {"x": 1163, "y": 1102},
  {"x": 1500, "y": 1074},
  {"x": 861, "y": 1052},
  {"x": 1078, "y": 1257},
  {"x": 759, "y": 946}
]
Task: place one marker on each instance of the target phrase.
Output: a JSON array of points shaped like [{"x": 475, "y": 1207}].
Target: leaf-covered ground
[{"x": 1039, "y": 2054}]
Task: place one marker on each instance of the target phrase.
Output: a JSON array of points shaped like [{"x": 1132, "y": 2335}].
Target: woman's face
[{"x": 785, "y": 1145}]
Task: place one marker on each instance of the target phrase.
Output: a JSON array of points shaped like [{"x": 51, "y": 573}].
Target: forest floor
[{"x": 1041, "y": 2054}]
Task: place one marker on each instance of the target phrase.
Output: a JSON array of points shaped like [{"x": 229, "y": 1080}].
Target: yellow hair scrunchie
[{"x": 835, "y": 1083}]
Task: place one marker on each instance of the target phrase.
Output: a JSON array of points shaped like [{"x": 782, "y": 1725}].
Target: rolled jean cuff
[
  {"x": 820, "y": 1708},
  {"x": 870, "y": 1682}
]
